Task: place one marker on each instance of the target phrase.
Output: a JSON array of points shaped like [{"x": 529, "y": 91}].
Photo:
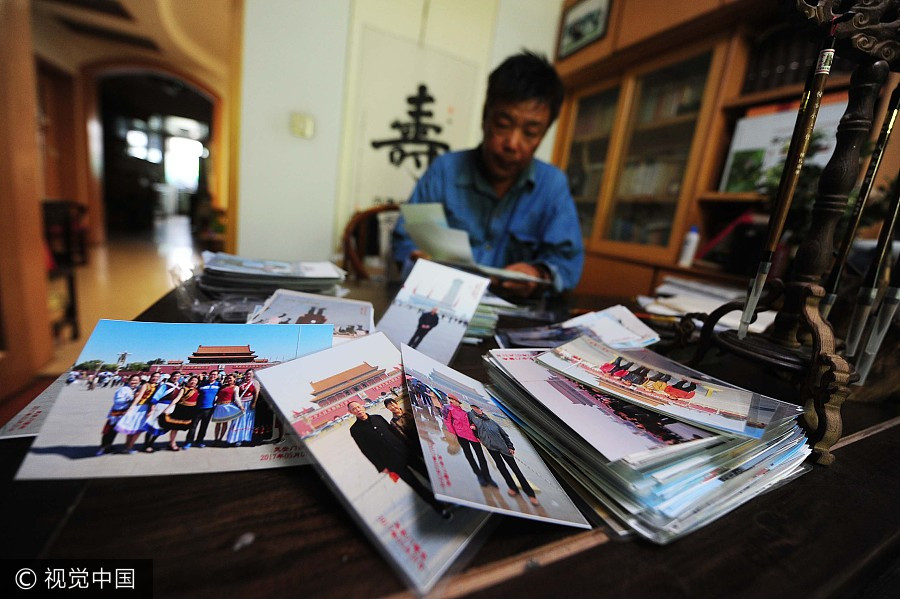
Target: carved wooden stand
[{"x": 825, "y": 388}]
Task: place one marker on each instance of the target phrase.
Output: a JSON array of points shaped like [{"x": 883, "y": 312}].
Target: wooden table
[{"x": 834, "y": 532}]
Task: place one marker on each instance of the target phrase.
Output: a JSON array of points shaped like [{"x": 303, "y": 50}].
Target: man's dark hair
[
  {"x": 525, "y": 76},
  {"x": 390, "y": 400}
]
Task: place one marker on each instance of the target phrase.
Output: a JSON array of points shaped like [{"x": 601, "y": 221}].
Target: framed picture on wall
[{"x": 582, "y": 23}]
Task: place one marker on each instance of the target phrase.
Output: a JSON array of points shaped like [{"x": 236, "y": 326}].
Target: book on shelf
[
  {"x": 668, "y": 100},
  {"x": 738, "y": 246},
  {"x": 658, "y": 176},
  {"x": 595, "y": 118},
  {"x": 784, "y": 58}
]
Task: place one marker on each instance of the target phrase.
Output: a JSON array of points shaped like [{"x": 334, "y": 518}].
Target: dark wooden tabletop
[{"x": 282, "y": 533}]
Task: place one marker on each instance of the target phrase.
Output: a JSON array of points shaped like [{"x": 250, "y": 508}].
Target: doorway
[{"x": 156, "y": 138}]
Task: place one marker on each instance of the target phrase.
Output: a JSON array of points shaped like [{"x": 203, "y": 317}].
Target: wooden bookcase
[{"x": 646, "y": 126}]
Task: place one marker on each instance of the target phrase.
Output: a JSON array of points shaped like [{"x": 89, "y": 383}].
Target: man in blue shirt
[
  {"x": 206, "y": 403},
  {"x": 517, "y": 210}
]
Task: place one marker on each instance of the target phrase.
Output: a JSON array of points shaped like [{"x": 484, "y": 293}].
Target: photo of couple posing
[
  {"x": 475, "y": 453},
  {"x": 473, "y": 432}
]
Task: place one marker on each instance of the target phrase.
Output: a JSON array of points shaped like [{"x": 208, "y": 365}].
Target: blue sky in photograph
[{"x": 146, "y": 341}]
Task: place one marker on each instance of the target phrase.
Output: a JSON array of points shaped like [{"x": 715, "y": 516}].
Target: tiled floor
[{"x": 125, "y": 276}]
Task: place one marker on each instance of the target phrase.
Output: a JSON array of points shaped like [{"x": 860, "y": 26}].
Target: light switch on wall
[{"x": 302, "y": 125}]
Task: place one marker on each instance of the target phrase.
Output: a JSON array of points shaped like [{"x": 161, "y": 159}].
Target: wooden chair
[{"x": 361, "y": 237}]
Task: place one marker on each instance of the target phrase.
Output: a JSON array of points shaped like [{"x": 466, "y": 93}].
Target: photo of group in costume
[
  {"x": 664, "y": 386},
  {"x": 616, "y": 428},
  {"x": 474, "y": 453},
  {"x": 176, "y": 395},
  {"x": 167, "y": 404}
]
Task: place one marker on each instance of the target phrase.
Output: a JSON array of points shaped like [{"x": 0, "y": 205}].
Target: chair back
[{"x": 361, "y": 238}]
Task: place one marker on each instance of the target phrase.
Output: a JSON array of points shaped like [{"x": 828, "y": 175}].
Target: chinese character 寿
[{"x": 414, "y": 134}]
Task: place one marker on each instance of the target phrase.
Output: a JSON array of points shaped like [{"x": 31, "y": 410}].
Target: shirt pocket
[{"x": 522, "y": 247}]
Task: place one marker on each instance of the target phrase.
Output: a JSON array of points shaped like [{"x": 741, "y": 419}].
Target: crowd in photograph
[
  {"x": 162, "y": 405},
  {"x": 642, "y": 421},
  {"x": 630, "y": 375}
]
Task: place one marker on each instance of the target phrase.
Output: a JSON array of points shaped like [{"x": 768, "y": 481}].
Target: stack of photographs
[
  {"x": 418, "y": 452},
  {"x": 648, "y": 379},
  {"x": 334, "y": 401},
  {"x": 616, "y": 326},
  {"x": 664, "y": 448},
  {"x": 350, "y": 318},
  {"x": 484, "y": 322},
  {"x": 475, "y": 454},
  {"x": 228, "y": 274}
]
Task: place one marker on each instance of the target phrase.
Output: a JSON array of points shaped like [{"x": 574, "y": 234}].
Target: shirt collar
[{"x": 471, "y": 175}]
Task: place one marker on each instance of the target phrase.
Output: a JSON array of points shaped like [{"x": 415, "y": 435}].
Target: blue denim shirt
[{"x": 535, "y": 222}]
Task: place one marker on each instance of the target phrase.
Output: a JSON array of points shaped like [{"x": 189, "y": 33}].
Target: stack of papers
[
  {"x": 677, "y": 296},
  {"x": 664, "y": 448},
  {"x": 427, "y": 227},
  {"x": 616, "y": 327},
  {"x": 484, "y": 322},
  {"x": 227, "y": 273}
]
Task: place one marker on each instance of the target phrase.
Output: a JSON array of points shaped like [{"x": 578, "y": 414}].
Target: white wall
[
  {"x": 529, "y": 24},
  {"x": 294, "y": 56},
  {"x": 302, "y": 55},
  {"x": 461, "y": 28}
]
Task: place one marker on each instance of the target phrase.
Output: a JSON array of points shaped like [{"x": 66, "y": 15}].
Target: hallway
[{"x": 124, "y": 277}]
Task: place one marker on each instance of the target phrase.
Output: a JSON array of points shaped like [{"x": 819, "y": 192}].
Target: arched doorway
[
  {"x": 157, "y": 131},
  {"x": 165, "y": 87}
]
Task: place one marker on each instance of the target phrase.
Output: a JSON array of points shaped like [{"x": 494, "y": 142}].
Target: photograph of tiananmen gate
[
  {"x": 228, "y": 358},
  {"x": 145, "y": 348},
  {"x": 364, "y": 383}
]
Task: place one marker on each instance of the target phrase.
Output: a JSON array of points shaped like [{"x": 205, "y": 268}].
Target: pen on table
[
  {"x": 880, "y": 326},
  {"x": 657, "y": 317},
  {"x": 834, "y": 278},
  {"x": 803, "y": 128},
  {"x": 869, "y": 288}
]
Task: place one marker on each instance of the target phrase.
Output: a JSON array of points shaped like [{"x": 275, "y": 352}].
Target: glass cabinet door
[
  {"x": 656, "y": 146},
  {"x": 594, "y": 116}
]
